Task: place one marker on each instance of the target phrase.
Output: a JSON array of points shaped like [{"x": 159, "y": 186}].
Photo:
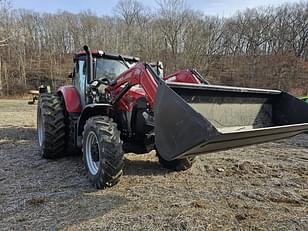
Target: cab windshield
[{"x": 110, "y": 68}]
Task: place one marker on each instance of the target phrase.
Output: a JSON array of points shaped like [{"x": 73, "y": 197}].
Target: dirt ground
[{"x": 261, "y": 187}]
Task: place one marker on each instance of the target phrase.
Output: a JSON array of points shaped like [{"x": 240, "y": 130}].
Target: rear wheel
[
  {"x": 70, "y": 122},
  {"x": 51, "y": 126},
  {"x": 102, "y": 151},
  {"x": 178, "y": 164}
]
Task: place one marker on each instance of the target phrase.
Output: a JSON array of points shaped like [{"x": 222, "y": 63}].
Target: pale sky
[{"x": 103, "y": 7}]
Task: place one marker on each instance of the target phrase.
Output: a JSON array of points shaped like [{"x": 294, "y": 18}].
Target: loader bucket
[{"x": 195, "y": 119}]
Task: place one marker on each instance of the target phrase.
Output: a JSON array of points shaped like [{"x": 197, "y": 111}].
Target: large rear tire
[
  {"x": 70, "y": 122},
  {"x": 102, "y": 151},
  {"x": 51, "y": 126},
  {"x": 178, "y": 164}
]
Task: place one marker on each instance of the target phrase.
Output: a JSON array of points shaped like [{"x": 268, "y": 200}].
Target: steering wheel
[
  {"x": 105, "y": 81},
  {"x": 97, "y": 82}
]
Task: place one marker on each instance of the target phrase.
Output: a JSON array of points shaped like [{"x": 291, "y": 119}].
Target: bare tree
[
  {"x": 264, "y": 47},
  {"x": 131, "y": 12}
]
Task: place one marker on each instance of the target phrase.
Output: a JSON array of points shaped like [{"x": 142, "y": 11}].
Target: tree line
[{"x": 259, "y": 47}]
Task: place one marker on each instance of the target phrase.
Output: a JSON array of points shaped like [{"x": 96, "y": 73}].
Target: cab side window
[{"x": 79, "y": 80}]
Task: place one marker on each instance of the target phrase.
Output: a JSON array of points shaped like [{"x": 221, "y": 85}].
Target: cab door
[{"x": 79, "y": 80}]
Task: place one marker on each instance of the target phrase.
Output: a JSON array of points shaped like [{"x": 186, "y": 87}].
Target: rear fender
[
  {"x": 92, "y": 110},
  {"x": 71, "y": 98}
]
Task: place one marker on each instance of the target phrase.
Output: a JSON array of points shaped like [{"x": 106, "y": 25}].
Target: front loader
[{"x": 117, "y": 104}]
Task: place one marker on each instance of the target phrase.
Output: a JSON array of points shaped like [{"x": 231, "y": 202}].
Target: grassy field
[{"x": 261, "y": 187}]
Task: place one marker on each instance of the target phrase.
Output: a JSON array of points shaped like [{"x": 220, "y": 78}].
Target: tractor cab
[{"x": 106, "y": 67}]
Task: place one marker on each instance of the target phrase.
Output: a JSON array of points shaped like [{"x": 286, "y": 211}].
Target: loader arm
[{"x": 140, "y": 74}]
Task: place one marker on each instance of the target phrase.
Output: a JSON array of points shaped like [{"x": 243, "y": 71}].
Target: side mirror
[
  {"x": 160, "y": 65},
  {"x": 44, "y": 89},
  {"x": 160, "y": 69},
  {"x": 70, "y": 75}
]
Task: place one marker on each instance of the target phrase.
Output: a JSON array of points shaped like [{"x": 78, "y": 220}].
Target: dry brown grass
[{"x": 262, "y": 187}]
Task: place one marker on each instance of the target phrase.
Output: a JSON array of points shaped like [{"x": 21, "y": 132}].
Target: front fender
[
  {"x": 92, "y": 110},
  {"x": 71, "y": 98}
]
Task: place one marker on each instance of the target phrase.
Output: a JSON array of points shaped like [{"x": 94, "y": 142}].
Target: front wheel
[
  {"x": 178, "y": 164},
  {"x": 102, "y": 151}
]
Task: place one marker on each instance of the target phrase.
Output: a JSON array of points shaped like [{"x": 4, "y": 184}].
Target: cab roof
[{"x": 99, "y": 53}]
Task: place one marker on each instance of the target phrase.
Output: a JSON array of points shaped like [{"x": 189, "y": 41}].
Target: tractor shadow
[
  {"x": 90, "y": 206},
  {"x": 58, "y": 189},
  {"x": 143, "y": 168},
  {"x": 11, "y": 134},
  {"x": 135, "y": 167}
]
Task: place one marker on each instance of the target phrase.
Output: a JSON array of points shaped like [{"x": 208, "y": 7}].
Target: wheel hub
[
  {"x": 95, "y": 152},
  {"x": 92, "y": 152},
  {"x": 40, "y": 128}
]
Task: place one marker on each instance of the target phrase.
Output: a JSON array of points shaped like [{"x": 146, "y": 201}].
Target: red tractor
[
  {"x": 117, "y": 105},
  {"x": 106, "y": 113}
]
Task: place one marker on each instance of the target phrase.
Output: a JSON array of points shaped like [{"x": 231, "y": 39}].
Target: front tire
[
  {"x": 102, "y": 151},
  {"x": 178, "y": 164},
  {"x": 51, "y": 126}
]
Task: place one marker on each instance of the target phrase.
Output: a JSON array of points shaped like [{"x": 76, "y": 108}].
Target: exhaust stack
[{"x": 89, "y": 63}]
